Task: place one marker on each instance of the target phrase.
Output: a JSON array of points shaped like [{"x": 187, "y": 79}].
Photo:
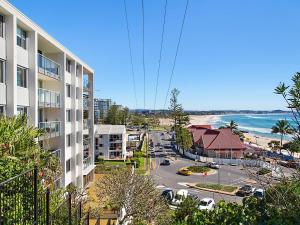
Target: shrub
[
  {"x": 199, "y": 169},
  {"x": 264, "y": 171}
]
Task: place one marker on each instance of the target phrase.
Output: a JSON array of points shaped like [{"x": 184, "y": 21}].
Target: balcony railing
[
  {"x": 87, "y": 162},
  {"x": 86, "y": 124},
  {"x": 48, "y": 67},
  {"x": 52, "y": 128},
  {"x": 49, "y": 99}
]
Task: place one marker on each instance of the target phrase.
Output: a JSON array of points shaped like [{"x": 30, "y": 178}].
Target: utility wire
[
  {"x": 130, "y": 53},
  {"x": 177, "y": 48},
  {"x": 143, "y": 13},
  {"x": 160, "y": 53}
]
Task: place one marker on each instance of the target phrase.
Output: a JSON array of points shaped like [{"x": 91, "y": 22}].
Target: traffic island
[
  {"x": 200, "y": 170},
  {"x": 217, "y": 188}
]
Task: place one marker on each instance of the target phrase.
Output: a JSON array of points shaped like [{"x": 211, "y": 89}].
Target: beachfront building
[
  {"x": 39, "y": 77},
  {"x": 110, "y": 142},
  {"x": 216, "y": 142},
  {"x": 102, "y": 107}
]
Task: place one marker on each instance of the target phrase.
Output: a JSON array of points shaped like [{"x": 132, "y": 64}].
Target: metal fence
[{"x": 23, "y": 201}]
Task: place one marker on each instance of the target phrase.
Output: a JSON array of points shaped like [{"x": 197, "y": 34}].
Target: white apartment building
[
  {"x": 110, "y": 142},
  {"x": 43, "y": 79}
]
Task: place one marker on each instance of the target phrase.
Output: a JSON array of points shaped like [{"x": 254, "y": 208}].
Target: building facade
[
  {"x": 41, "y": 78},
  {"x": 110, "y": 142},
  {"x": 102, "y": 107}
]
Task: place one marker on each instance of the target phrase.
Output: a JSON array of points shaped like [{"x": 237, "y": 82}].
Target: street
[{"x": 167, "y": 177}]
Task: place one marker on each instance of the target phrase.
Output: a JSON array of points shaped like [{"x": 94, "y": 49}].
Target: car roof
[
  {"x": 259, "y": 190},
  {"x": 207, "y": 199}
]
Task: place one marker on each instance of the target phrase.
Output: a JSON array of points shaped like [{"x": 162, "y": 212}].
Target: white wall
[
  {"x": 22, "y": 57},
  {"x": 2, "y": 48},
  {"x": 22, "y": 96},
  {"x": 2, "y": 94}
]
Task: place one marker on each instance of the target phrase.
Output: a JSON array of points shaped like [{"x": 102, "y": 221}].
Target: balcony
[
  {"x": 86, "y": 143},
  {"x": 87, "y": 162},
  {"x": 49, "y": 99},
  {"x": 86, "y": 124},
  {"x": 52, "y": 128},
  {"x": 48, "y": 67}
]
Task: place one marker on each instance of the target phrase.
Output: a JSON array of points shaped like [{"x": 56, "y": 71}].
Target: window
[
  {"x": 77, "y": 71},
  {"x": 115, "y": 146},
  {"x": 68, "y": 89},
  {"x": 68, "y": 140},
  {"x": 96, "y": 141},
  {"x": 100, "y": 145},
  {"x": 21, "y": 37},
  {"x": 1, "y": 26},
  {"x": 22, "y": 77},
  {"x": 68, "y": 115},
  {"x": 78, "y": 137},
  {"x": 2, "y": 110},
  {"x": 68, "y": 165},
  {"x": 2, "y": 71},
  {"x": 77, "y": 92},
  {"x": 21, "y": 110},
  {"x": 100, "y": 136},
  {"x": 68, "y": 65},
  {"x": 77, "y": 114},
  {"x": 115, "y": 137}
]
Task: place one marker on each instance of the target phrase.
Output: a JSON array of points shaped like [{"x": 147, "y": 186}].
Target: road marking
[
  {"x": 183, "y": 184},
  {"x": 160, "y": 186}
]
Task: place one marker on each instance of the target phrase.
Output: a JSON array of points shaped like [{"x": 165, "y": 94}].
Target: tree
[
  {"x": 232, "y": 125},
  {"x": 234, "y": 129},
  {"x": 134, "y": 195},
  {"x": 184, "y": 139},
  {"x": 186, "y": 209},
  {"x": 274, "y": 145},
  {"x": 20, "y": 151},
  {"x": 283, "y": 128},
  {"x": 293, "y": 146}
]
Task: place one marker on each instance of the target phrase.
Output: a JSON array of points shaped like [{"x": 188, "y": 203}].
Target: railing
[
  {"x": 86, "y": 124},
  {"x": 86, "y": 85},
  {"x": 87, "y": 162},
  {"x": 51, "y": 128},
  {"x": 49, "y": 99},
  {"x": 23, "y": 200},
  {"x": 48, "y": 67}
]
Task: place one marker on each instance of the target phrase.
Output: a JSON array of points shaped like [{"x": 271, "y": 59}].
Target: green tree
[
  {"x": 283, "y": 128},
  {"x": 233, "y": 126},
  {"x": 184, "y": 139},
  {"x": 186, "y": 209}
]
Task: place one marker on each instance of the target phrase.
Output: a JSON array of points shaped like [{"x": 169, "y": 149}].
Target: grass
[
  {"x": 263, "y": 171},
  {"x": 218, "y": 187},
  {"x": 198, "y": 169}
]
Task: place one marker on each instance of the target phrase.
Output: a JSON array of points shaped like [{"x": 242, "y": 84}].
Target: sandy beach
[{"x": 211, "y": 119}]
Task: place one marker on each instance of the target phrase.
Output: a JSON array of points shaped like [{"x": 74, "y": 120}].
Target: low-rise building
[
  {"x": 110, "y": 142},
  {"x": 216, "y": 142}
]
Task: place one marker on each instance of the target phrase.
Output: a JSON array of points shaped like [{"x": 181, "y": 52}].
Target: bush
[
  {"x": 218, "y": 187},
  {"x": 198, "y": 169},
  {"x": 264, "y": 171},
  {"x": 137, "y": 160}
]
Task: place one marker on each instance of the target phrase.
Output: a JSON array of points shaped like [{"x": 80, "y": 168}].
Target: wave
[{"x": 256, "y": 129}]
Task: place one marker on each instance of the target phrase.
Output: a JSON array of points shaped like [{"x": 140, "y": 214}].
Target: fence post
[
  {"x": 70, "y": 208},
  {"x": 88, "y": 217},
  {"x": 35, "y": 196},
  {"x": 80, "y": 210},
  {"x": 47, "y": 206}
]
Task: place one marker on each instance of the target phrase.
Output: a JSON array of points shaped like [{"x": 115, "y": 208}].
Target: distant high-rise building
[{"x": 101, "y": 107}]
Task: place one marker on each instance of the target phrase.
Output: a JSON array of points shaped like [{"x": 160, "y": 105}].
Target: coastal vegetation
[{"x": 283, "y": 128}]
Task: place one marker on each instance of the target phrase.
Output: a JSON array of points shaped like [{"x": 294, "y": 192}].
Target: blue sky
[{"x": 232, "y": 55}]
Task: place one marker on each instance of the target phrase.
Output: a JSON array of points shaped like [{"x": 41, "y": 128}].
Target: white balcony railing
[
  {"x": 48, "y": 67},
  {"x": 87, "y": 162},
  {"x": 52, "y": 128},
  {"x": 49, "y": 99}
]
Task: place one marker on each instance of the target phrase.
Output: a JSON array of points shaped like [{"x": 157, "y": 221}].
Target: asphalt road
[{"x": 167, "y": 177}]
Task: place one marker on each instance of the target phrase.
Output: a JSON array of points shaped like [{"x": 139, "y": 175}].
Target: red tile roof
[{"x": 200, "y": 126}]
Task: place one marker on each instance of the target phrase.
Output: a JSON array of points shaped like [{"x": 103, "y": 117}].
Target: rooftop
[{"x": 109, "y": 129}]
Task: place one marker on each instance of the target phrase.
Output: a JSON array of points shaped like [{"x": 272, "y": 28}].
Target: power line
[
  {"x": 160, "y": 53},
  {"x": 177, "y": 48},
  {"x": 143, "y": 13},
  {"x": 130, "y": 53}
]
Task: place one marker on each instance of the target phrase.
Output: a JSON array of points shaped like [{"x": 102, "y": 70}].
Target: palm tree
[
  {"x": 232, "y": 125},
  {"x": 283, "y": 128}
]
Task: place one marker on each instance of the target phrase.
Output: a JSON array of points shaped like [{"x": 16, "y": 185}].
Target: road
[{"x": 167, "y": 177}]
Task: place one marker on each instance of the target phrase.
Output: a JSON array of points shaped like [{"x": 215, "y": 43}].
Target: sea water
[{"x": 257, "y": 124}]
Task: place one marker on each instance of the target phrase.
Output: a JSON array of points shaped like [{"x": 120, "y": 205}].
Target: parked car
[
  {"x": 166, "y": 162},
  {"x": 214, "y": 165},
  {"x": 161, "y": 148},
  {"x": 184, "y": 172},
  {"x": 245, "y": 190},
  {"x": 207, "y": 204},
  {"x": 259, "y": 193},
  {"x": 168, "y": 195},
  {"x": 178, "y": 198}
]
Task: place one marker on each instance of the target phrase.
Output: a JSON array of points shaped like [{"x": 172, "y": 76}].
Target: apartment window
[
  {"x": 78, "y": 137},
  {"x": 68, "y": 89},
  {"x": 2, "y": 71},
  {"x": 77, "y": 159},
  {"x": 68, "y": 115},
  {"x": 115, "y": 137},
  {"x": 1, "y": 26},
  {"x": 68, "y": 165},
  {"x": 22, "y": 77},
  {"x": 96, "y": 141},
  {"x": 21, "y": 110},
  {"x": 100, "y": 145},
  {"x": 2, "y": 110},
  {"x": 77, "y": 92},
  {"x": 77, "y": 71},
  {"x": 21, "y": 37},
  {"x": 77, "y": 114},
  {"x": 68, "y": 65},
  {"x": 68, "y": 140},
  {"x": 115, "y": 146}
]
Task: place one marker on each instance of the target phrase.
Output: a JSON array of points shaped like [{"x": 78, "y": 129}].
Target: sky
[{"x": 232, "y": 54}]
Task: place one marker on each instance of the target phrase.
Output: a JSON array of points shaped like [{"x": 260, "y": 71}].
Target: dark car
[
  {"x": 246, "y": 190},
  {"x": 166, "y": 162},
  {"x": 168, "y": 195}
]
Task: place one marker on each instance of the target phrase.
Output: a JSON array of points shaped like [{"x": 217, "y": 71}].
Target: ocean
[{"x": 257, "y": 124}]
